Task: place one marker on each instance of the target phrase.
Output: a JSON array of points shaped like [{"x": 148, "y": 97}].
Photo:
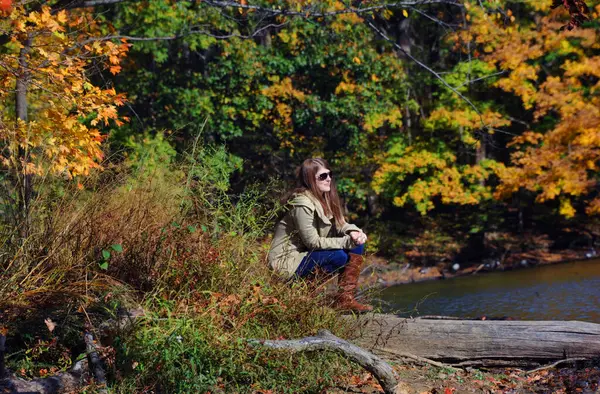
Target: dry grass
[{"x": 190, "y": 255}]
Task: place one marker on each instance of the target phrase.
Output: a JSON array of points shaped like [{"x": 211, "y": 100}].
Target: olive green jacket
[{"x": 305, "y": 228}]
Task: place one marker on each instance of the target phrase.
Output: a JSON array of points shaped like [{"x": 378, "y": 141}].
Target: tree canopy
[{"x": 425, "y": 103}]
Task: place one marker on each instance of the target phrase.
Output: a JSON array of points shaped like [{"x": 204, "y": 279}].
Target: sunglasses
[{"x": 324, "y": 176}]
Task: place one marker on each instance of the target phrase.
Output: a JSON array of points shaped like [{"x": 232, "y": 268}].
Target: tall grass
[{"x": 161, "y": 232}]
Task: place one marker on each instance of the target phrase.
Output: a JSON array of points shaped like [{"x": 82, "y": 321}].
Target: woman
[{"x": 314, "y": 235}]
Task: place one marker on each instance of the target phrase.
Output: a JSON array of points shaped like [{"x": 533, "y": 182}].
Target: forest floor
[{"x": 434, "y": 380}]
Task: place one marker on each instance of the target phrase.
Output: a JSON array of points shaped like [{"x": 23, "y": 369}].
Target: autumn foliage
[
  {"x": 51, "y": 54},
  {"x": 557, "y": 156},
  {"x": 553, "y": 72}
]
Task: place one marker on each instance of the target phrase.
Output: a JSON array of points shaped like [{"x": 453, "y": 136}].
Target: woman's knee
[
  {"x": 337, "y": 260},
  {"x": 359, "y": 249}
]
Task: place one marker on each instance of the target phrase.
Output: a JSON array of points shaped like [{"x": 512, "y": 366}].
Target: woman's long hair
[{"x": 306, "y": 180}]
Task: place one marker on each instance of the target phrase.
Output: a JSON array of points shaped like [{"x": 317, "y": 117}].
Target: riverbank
[
  {"x": 380, "y": 273},
  {"x": 428, "y": 379}
]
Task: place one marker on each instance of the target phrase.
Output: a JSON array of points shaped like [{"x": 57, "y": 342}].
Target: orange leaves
[
  {"x": 556, "y": 159},
  {"x": 60, "y": 49},
  {"x": 5, "y": 5}
]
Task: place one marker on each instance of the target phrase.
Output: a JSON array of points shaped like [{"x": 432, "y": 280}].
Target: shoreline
[{"x": 380, "y": 274}]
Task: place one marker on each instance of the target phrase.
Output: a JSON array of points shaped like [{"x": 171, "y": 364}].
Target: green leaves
[{"x": 106, "y": 255}]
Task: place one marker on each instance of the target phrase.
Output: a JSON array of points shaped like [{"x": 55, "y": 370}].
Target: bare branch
[
  {"x": 89, "y": 3},
  {"x": 182, "y": 35},
  {"x": 324, "y": 340},
  {"x": 470, "y": 81},
  {"x": 566, "y": 360},
  {"x": 440, "y": 22},
  {"x": 314, "y": 13},
  {"x": 307, "y": 12},
  {"x": 427, "y": 68}
]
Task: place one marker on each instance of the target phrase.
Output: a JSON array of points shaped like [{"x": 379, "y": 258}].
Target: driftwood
[
  {"x": 95, "y": 363},
  {"x": 324, "y": 340},
  {"x": 77, "y": 376},
  {"x": 70, "y": 381},
  {"x": 477, "y": 342},
  {"x": 64, "y": 382}
]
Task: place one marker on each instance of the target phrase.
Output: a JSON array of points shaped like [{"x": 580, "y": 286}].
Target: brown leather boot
[{"x": 348, "y": 282}]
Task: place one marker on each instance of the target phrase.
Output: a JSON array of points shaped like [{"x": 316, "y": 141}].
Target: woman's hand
[{"x": 358, "y": 237}]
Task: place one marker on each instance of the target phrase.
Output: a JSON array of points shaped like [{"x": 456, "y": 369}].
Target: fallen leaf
[{"x": 50, "y": 324}]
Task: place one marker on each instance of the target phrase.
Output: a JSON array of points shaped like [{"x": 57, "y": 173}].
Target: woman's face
[{"x": 323, "y": 176}]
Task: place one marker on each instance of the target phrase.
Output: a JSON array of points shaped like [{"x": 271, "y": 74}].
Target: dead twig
[{"x": 549, "y": 366}]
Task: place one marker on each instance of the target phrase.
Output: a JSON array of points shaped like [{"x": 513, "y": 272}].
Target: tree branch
[
  {"x": 427, "y": 68},
  {"x": 69, "y": 5},
  {"x": 324, "y": 340},
  {"x": 183, "y": 35},
  {"x": 312, "y": 12},
  {"x": 272, "y": 11},
  {"x": 566, "y": 360}
]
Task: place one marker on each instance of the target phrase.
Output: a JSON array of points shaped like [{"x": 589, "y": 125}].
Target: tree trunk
[
  {"x": 481, "y": 152},
  {"x": 477, "y": 342},
  {"x": 21, "y": 112}
]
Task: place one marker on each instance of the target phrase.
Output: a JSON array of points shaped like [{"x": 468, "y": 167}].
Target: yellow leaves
[
  {"x": 518, "y": 83},
  {"x": 587, "y": 66},
  {"x": 356, "y": 60},
  {"x": 566, "y": 209},
  {"x": 291, "y": 38},
  {"x": 374, "y": 121},
  {"x": 465, "y": 120},
  {"x": 45, "y": 20},
  {"x": 285, "y": 97},
  {"x": 347, "y": 87},
  {"x": 284, "y": 90},
  {"x": 438, "y": 176},
  {"x": 405, "y": 13},
  {"x": 61, "y": 17}
]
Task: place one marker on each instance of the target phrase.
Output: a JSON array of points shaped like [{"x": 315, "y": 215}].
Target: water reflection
[{"x": 568, "y": 291}]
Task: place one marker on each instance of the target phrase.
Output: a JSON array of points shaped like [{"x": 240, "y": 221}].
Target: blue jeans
[{"x": 329, "y": 261}]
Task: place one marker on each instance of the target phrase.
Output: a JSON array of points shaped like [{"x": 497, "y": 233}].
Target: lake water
[{"x": 566, "y": 291}]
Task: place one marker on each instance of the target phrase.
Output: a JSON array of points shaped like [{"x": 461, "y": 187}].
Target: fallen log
[{"x": 477, "y": 343}]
